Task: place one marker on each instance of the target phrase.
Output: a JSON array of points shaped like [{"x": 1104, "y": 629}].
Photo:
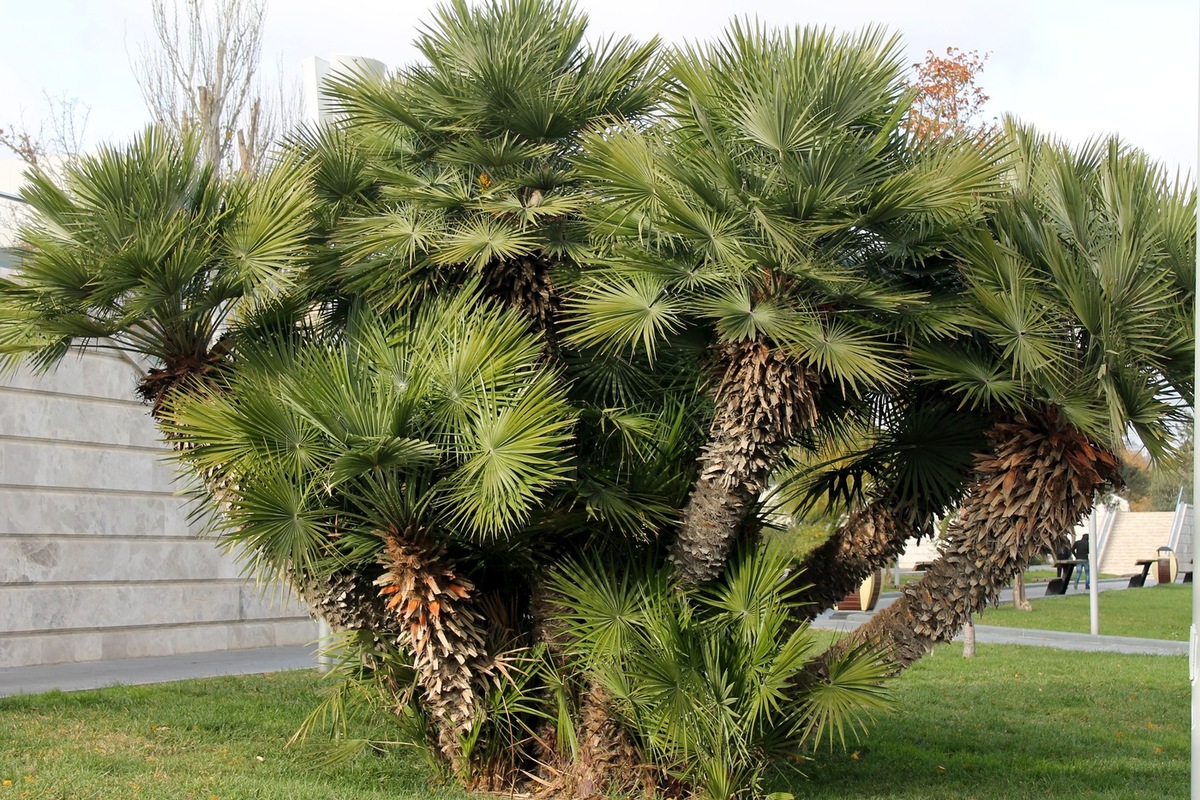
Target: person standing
[{"x": 1080, "y": 551}]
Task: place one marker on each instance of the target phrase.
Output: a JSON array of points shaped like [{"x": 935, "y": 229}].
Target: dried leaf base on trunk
[
  {"x": 441, "y": 630},
  {"x": 763, "y": 400},
  {"x": 348, "y": 601},
  {"x": 1039, "y": 481},
  {"x": 607, "y": 762},
  {"x": 183, "y": 373},
  {"x": 526, "y": 283}
]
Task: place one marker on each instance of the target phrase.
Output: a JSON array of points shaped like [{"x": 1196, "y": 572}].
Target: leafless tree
[
  {"x": 52, "y": 146},
  {"x": 58, "y": 138},
  {"x": 200, "y": 71}
]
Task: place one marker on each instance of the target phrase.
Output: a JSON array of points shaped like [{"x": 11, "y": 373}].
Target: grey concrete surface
[
  {"x": 96, "y": 674},
  {"x": 992, "y": 634},
  {"x": 161, "y": 669}
]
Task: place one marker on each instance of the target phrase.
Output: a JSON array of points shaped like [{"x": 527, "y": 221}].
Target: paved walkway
[
  {"x": 992, "y": 634},
  {"x": 96, "y": 674}
]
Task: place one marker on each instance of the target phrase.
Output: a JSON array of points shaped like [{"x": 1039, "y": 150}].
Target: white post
[
  {"x": 1094, "y": 592},
  {"x": 1193, "y": 640},
  {"x": 324, "y": 659}
]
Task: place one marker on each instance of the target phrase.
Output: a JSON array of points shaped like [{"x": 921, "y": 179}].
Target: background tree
[
  {"x": 1170, "y": 478},
  {"x": 948, "y": 100},
  {"x": 1158, "y": 485},
  {"x": 58, "y": 139},
  {"x": 52, "y": 146},
  {"x": 201, "y": 74}
]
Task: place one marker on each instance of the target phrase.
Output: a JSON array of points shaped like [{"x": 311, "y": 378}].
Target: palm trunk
[
  {"x": 763, "y": 400},
  {"x": 526, "y": 283},
  {"x": 869, "y": 539},
  {"x": 180, "y": 374},
  {"x": 1038, "y": 482},
  {"x": 608, "y": 763},
  {"x": 347, "y": 600},
  {"x": 969, "y": 638},
  {"x": 441, "y": 630}
]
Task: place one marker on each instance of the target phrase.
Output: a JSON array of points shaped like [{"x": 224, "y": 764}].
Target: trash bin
[
  {"x": 1168, "y": 566},
  {"x": 867, "y": 595}
]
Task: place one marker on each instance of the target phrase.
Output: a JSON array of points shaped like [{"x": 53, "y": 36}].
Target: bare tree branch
[
  {"x": 199, "y": 74},
  {"x": 58, "y": 139}
]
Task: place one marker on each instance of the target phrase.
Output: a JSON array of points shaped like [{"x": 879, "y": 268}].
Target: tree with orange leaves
[{"x": 948, "y": 100}]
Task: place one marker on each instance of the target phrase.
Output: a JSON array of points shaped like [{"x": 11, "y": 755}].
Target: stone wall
[{"x": 98, "y": 558}]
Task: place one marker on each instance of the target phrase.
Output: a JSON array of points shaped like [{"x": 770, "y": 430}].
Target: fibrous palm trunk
[
  {"x": 526, "y": 283},
  {"x": 180, "y": 374},
  {"x": 765, "y": 397},
  {"x": 441, "y": 630},
  {"x": 348, "y": 600},
  {"x": 1028, "y": 494},
  {"x": 607, "y": 764},
  {"x": 869, "y": 539}
]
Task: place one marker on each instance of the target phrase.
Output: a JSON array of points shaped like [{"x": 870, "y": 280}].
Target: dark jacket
[{"x": 1081, "y": 548}]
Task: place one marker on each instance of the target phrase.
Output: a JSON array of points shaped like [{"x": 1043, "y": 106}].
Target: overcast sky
[{"x": 1074, "y": 68}]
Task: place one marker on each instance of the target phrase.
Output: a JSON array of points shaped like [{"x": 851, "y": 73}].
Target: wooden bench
[
  {"x": 1068, "y": 565},
  {"x": 1137, "y": 581},
  {"x": 1166, "y": 567}
]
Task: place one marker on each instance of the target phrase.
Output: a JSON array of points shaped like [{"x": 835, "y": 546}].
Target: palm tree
[
  {"x": 777, "y": 210},
  {"x": 711, "y": 684},
  {"x": 457, "y": 171},
  {"x": 143, "y": 249},
  {"x": 889, "y": 470},
  {"x": 410, "y": 451},
  {"x": 470, "y": 153},
  {"x": 1079, "y": 303},
  {"x": 146, "y": 250}
]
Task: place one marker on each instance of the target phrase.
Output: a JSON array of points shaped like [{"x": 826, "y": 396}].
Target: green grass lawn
[
  {"x": 1034, "y": 575},
  {"x": 1153, "y": 612},
  {"x": 219, "y": 738},
  {"x": 1015, "y": 722},
  {"x": 1020, "y": 722}
]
